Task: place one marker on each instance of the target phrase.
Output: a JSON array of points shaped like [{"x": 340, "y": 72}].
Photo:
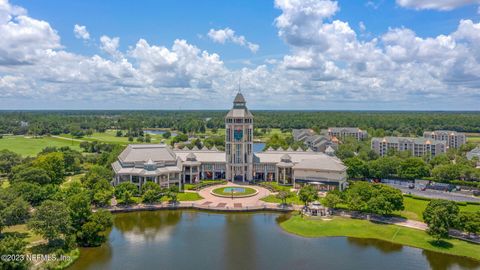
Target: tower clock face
[{"x": 238, "y": 134}]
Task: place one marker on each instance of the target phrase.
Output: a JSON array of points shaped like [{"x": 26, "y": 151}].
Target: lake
[
  {"x": 203, "y": 240},
  {"x": 258, "y": 147},
  {"x": 158, "y": 132}
]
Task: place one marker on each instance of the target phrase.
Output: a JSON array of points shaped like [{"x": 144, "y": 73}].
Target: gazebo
[{"x": 317, "y": 209}]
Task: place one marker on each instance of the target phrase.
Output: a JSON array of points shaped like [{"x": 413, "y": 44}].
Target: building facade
[
  {"x": 343, "y": 132},
  {"x": 419, "y": 147},
  {"x": 454, "y": 139},
  {"x": 318, "y": 143},
  {"x": 158, "y": 163}
]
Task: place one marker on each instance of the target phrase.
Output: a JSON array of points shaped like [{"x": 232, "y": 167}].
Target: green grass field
[
  {"x": 30, "y": 237},
  {"x": 109, "y": 137},
  {"x": 29, "y": 146},
  {"x": 272, "y": 131},
  {"x": 339, "y": 226},
  {"x": 415, "y": 207},
  {"x": 273, "y": 199},
  {"x": 189, "y": 196},
  {"x": 474, "y": 139}
]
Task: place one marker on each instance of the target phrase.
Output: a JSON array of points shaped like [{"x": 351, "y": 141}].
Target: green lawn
[
  {"x": 273, "y": 199},
  {"x": 266, "y": 136},
  {"x": 339, "y": 226},
  {"x": 22, "y": 229},
  {"x": 189, "y": 196},
  {"x": 221, "y": 191},
  {"x": 415, "y": 207},
  {"x": 109, "y": 137},
  {"x": 72, "y": 179},
  {"x": 473, "y": 139},
  {"x": 29, "y": 146}
]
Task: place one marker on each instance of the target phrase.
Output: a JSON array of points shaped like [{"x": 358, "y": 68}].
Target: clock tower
[{"x": 239, "y": 141}]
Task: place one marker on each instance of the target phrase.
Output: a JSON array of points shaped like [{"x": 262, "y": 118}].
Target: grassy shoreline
[{"x": 339, "y": 226}]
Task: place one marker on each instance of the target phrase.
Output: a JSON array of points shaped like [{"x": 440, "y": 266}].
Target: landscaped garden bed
[
  {"x": 204, "y": 184},
  {"x": 236, "y": 192}
]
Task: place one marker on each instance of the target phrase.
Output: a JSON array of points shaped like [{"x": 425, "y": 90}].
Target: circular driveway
[{"x": 214, "y": 201}]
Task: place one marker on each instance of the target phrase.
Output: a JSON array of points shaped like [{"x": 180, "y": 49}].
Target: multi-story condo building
[
  {"x": 318, "y": 143},
  {"x": 419, "y": 147},
  {"x": 343, "y": 132},
  {"x": 158, "y": 163},
  {"x": 454, "y": 139},
  {"x": 301, "y": 134}
]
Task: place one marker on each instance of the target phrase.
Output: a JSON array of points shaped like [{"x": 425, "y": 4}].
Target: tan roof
[
  {"x": 239, "y": 98},
  {"x": 144, "y": 152},
  {"x": 304, "y": 160},
  {"x": 141, "y": 171},
  {"x": 320, "y": 164},
  {"x": 239, "y": 113},
  {"x": 203, "y": 156}
]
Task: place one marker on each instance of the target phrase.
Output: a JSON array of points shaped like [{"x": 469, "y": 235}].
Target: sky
[{"x": 281, "y": 54}]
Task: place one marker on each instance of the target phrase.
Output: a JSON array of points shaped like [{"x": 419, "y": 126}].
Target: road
[{"x": 435, "y": 194}]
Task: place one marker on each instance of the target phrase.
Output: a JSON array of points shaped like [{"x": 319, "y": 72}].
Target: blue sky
[{"x": 289, "y": 54}]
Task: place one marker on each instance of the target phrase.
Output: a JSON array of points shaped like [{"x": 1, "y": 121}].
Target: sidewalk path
[{"x": 253, "y": 201}]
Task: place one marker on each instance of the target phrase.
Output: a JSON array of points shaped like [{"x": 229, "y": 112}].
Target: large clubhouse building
[{"x": 159, "y": 163}]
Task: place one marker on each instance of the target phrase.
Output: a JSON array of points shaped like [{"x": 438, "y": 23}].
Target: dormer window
[{"x": 150, "y": 165}]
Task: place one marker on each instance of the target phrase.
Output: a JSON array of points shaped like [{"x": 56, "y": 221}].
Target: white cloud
[
  {"x": 7, "y": 11},
  {"x": 81, "y": 32},
  {"x": 227, "y": 34},
  {"x": 374, "y": 4},
  {"x": 328, "y": 66},
  {"x": 23, "y": 39},
  {"x": 300, "y": 19},
  {"x": 435, "y": 4},
  {"x": 110, "y": 45},
  {"x": 397, "y": 66},
  {"x": 362, "y": 26}
]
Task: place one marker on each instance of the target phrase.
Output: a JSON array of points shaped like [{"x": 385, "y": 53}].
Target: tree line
[{"x": 377, "y": 123}]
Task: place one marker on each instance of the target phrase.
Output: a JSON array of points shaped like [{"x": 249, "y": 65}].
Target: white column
[
  {"x": 293, "y": 179},
  {"x": 276, "y": 174},
  {"x": 213, "y": 171},
  {"x": 183, "y": 175}
]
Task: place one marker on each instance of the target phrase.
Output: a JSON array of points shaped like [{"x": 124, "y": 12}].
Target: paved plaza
[{"x": 210, "y": 200}]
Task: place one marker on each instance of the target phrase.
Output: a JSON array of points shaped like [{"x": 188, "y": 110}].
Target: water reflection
[
  {"x": 202, "y": 240},
  {"x": 147, "y": 226},
  {"x": 440, "y": 261},
  {"x": 383, "y": 246}
]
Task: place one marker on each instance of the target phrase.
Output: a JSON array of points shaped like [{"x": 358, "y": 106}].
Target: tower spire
[{"x": 239, "y": 81}]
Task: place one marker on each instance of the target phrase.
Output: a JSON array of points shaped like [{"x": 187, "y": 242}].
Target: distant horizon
[{"x": 224, "y": 110}]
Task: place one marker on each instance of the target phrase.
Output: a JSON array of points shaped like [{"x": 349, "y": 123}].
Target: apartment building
[
  {"x": 419, "y": 147},
  {"x": 454, "y": 139},
  {"x": 343, "y": 132}
]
